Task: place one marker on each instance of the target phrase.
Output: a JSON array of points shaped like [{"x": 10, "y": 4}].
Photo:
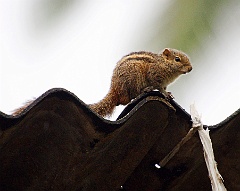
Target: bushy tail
[
  {"x": 106, "y": 106},
  {"x": 18, "y": 111}
]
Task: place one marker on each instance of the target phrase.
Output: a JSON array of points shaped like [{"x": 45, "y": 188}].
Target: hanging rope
[{"x": 214, "y": 175}]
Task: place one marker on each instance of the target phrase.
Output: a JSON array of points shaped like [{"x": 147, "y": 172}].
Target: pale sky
[{"x": 78, "y": 49}]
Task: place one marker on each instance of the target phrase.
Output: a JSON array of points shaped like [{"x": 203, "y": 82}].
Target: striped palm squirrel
[{"x": 136, "y": 73}]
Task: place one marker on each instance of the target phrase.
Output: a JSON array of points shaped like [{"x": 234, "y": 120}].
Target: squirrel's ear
[{"x": 166, "y": 52}]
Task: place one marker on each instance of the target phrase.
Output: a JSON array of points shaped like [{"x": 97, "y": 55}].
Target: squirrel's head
[{"x": 178, "y": 60}]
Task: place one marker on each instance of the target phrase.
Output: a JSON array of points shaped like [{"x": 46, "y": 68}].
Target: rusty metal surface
[{"x": 59, "y": 144}]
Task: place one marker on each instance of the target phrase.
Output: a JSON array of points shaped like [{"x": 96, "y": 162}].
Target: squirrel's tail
[
  {"x": 106, "y": 106},
  {"x": 18, "y": 111}
]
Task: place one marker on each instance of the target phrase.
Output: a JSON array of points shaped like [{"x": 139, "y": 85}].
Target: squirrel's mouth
[
  {"x": 185, "y": 72},
  {"x": 189, "y": 69}
]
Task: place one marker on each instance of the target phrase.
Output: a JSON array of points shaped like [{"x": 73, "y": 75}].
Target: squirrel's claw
[
  {"x": 168, "y": 96},
  {"x": 148, "y": 89}
]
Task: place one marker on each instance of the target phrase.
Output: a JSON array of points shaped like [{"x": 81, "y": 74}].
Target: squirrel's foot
[
  {"x": 148, "y": 89},
  {"x": 168, "y": 96}
]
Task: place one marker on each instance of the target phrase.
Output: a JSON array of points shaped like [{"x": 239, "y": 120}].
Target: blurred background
[{"x": 75, "y": 44}]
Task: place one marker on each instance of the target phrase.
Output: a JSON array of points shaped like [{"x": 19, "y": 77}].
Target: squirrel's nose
[{"x": 190, "y": 69}]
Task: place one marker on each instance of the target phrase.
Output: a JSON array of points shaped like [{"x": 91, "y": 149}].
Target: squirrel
[
  {"x": 136, "y": 73},
  {"x": 140, "y": 71}
]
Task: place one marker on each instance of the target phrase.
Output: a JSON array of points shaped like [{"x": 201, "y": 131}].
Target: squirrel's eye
[{"x": 177, "y": 59}]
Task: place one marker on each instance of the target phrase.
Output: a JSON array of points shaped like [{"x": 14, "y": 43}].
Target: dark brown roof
[{"x": 59, "y": 144}]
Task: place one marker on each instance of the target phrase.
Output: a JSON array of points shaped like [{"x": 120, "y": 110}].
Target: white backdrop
[{"x": 77, "y": 49}]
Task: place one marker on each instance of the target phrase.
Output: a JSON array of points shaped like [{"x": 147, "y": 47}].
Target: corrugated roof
[{"x": 57, "y": 143}]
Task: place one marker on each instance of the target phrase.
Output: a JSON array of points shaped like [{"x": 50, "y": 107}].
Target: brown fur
[
  {"x": 21, "y": 109},
  {"x": 134, "y": 73},
  {"x": 139, "y": 70}
]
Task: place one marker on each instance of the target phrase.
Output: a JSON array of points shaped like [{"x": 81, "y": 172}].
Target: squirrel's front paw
[
  {"x": 168, "y": 96},
  {"x": 148, "y": 89}
]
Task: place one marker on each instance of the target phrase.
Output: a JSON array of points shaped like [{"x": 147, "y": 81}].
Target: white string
[{"x": 214, "y": 175}]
